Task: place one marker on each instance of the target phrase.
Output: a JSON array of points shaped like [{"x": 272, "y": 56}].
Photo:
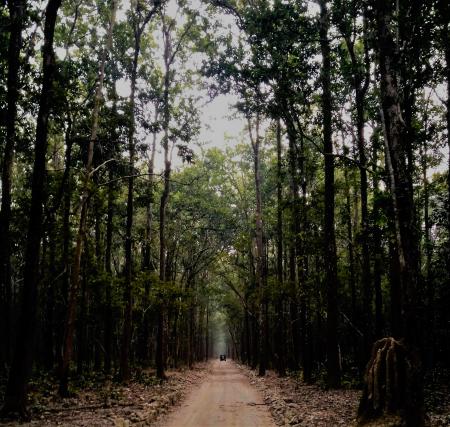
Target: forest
[{"x": 309, "y": 236}]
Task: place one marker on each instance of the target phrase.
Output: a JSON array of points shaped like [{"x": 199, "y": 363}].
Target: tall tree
[
  {"x": 17, "y": 11},
  {"x": 87, "y": 179},
  {"x": 280, "y": 334},
  {"x": 140, "y": 17},
  {"x": 331, "y": 278},
  {"x": 16, "y": 391},
  {"x": 444, "y": 10},
  {"x": 407, "y": 400},
  {"x": 174, "y": 43},
  {"x": 261, "y": 275}
]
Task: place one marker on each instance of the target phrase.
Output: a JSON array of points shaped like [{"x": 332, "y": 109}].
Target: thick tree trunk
[
  {"x": 331, "y": 278},
  {"x": 16, "y": 17},
  {"x": 16, "y": 391},
  {"x": 404, "y": 400},
  {"x": 397, "y": 153}
]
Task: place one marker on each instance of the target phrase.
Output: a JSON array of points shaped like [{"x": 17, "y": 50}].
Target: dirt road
[{"x": 225, "y": 399}]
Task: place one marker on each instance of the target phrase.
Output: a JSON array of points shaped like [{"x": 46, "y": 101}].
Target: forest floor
[
  {"x": 211, "y": 394},
  {"x": 112, "y": 404},
  {"x": 294, "y": 403}
]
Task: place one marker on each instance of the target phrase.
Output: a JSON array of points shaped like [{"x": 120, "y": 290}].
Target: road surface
[{"x": 225, "y": 399}]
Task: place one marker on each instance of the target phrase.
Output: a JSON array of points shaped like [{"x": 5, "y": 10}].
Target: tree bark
[
  {"x": 16, "y": 391},
  {"x": 125, "y": 372},
  {"x": 108, "y": 325},
  {"x": 148, "y": 265},
  {"x": 331, "y": 278},
  {"x": 160, "y": 362},
  {"x": 261, "y": 277},
  {"x": 377, "y": 247},
  {"x": 295, "y": 243},
  {"x": 397, "y": 152},
  {"x": 444, "y": 9},
  {"x": 17, "y": 10},
  {"x": 280, "y": 337},
  {"x": 405, "y": 401}
]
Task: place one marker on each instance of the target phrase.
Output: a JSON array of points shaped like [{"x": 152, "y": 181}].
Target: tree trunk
[
  {"x": 404, "y": 400},
  {"x": 75, "y": 273},
  {"x": 81, "y": 321},
  {"x": 160, "y": 362},
  {"x": 305, "y": 300},
  {"x": 280, "y": 348},
  {"x": 397, "y": 153},
  {"x": 16, "y": 14},
  {"x": 49, "y": 324},
  {"x": 125, "y": 372},
  {"x": 66, "y": 235},
  {"x": 108, "y": 325},
  {"x": 147, "y": 262},
  {"x": 444, "y": 9},
  {"x": 260, "y": 248},
  {"x": 294, "y": 246},
  {"x": 331, "y": 278},
  {"x": 377, "y": 247},
  {"x": 350, "y": 244},
  {"x": 366, "y": 284},
  {"x": 16, "y": 391}
]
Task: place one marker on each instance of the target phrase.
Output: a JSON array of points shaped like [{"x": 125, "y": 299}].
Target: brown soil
[{"x": 225, "y": 399}]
